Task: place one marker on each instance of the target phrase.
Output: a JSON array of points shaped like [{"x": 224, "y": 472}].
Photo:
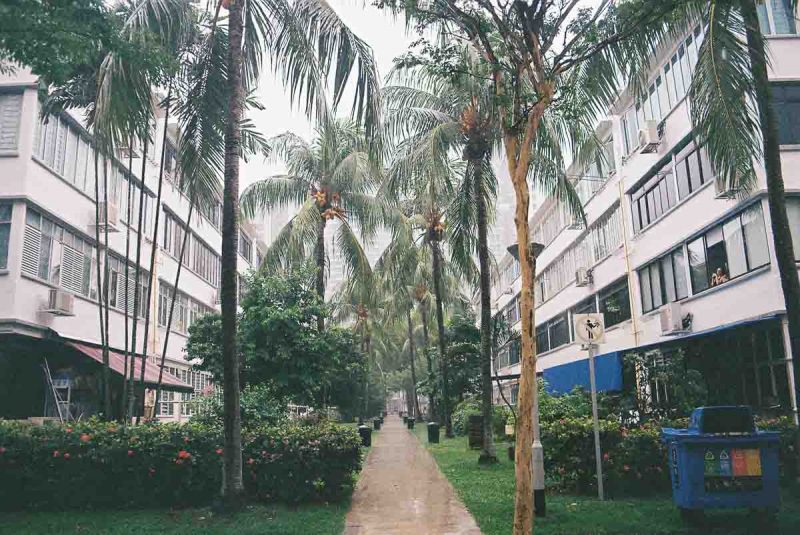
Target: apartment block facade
[
  {"x": 49, "y": 319},
  {"x": 674, "y": 262}
]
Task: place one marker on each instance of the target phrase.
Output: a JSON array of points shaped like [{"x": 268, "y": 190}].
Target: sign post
[{"x": 590, "y": 329}]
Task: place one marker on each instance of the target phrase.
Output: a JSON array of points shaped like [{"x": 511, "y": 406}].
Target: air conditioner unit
[
  {"x": 671, "y": 316},
  {"x": 649, "y": 140},
  {"x": 60, "y": 303},
  {"x": 108, "y": 217},
  {"x": 583, "y": 277}
]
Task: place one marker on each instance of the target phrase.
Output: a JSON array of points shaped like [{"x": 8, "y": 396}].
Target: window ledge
[
  {"x": 4, "y": 272},
  {"x": 782, "y": 36},
  {"x": 733, "y": 282},
  {"x": 9, "y": 154},
  {"x": 790, "y": 148},
  {"x": 669, "y": 212}
]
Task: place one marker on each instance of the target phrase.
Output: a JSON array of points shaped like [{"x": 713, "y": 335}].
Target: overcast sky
[{"x": 388, "y": 39}]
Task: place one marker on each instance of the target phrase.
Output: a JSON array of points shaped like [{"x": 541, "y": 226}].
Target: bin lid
[{"x": 723, "y": 420}]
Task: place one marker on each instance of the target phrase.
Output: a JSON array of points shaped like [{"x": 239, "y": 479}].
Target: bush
[
  {"x": 260, "y": 406},
  {"x": 102, "y": 465},
  {"x": 472, "y": 406},
  {"x": 634, "y": 458}
]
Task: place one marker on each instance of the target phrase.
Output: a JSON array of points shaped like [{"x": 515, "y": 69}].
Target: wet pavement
[{"x": 402, "y": 492}]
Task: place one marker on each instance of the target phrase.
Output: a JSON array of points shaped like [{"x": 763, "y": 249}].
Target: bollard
[
  {"x": 376, "y": 424},
  {"x": 433, "y": 433},
  {"x": 410, "y": 423},
  {"x": 475, "y": 431},
  {"x": 366, "y": 435},
  {"x": 405, "y": 420}
]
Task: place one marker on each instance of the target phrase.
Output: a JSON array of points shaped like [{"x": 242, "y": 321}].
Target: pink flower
[
  {"x": 219, "y": 451},
  {"x": 185, "y": 440},
  {"x": 56, "y": 453},
  {"x": 606, "y": 457},
  {"x": 151, "y": 471},
  {"x": 626, "y": 467},
  {"x": 85, "y": 438},
  {"x": 183, "y": 454},
  {"x": 178, "y": 461},
  {"x": 66, "y": 456},
  {"x": 250, "y": 461},
  {"x": 2, "y": 450},
  {"x": 68, "y": 430},
  {"x": 130, "y": 453}
]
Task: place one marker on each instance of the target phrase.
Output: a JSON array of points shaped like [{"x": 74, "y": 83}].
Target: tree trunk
[
  {"x": 107, "y": 345},
  {"x": 367, "y": 347},
  {"x": 444, "y": 402},
  {"x": 776, "y": 198},
  {"x": 232, "y": 483},
  {"x": 426, "y": 340},
  {"x": 417, "y": 413},
  {"x": 136, "y": 284},
  {"x": 320, "y": 281},
  {"x": 103, "y": 331},
  {"x": 153, "y": 251},
  {"x": 174, "y": 298},
  {"x": 128, "y": 215},
  {"x": 523, "y": 471},
  {"x": 488, "y": 454}
]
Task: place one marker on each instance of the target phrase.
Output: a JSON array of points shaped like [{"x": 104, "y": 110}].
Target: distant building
[
  {"x": 49, "y": 320},
  {"x": 671, "y": 259}
]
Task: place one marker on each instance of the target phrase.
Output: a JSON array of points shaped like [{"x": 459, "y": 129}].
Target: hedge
[
  {"x": 634, "y": 458},
  {"x": 103, "y": 465}
]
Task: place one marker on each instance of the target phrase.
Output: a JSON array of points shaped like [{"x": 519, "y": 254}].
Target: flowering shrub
[
  {"x": 634, "y": 458},
  {"x": 98, "y": 464}
]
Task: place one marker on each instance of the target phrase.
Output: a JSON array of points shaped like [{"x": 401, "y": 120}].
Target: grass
[
  {"x": 488, "y": 493},
  {"x": 261, "y": 520}
]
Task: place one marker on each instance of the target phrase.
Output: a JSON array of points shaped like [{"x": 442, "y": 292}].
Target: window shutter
[
  {"x": 72, "y": 270},
  {"x": 10, "y": 110},
  {"x": 31, "y": 248}
]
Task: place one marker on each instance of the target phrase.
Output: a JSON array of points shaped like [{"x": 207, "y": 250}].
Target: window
[
  {"x": 245, "y": 247},
  {"x": 170, "y": 160},
  {"x": 56, "y": 255},
  {"x": 786, "y": 100},
  {"x": 212, "y": 212},
  {"x": 180, "y": 315},
  {"x": 205, "y": 262},
  {"x": 203, "y": 386},
  {"x": 553, "y": 333},
  {"x": 663, "y": 281},
  {"x": 117, "y": 289},
  {"x": 5, "y": 232},
  {"x": 513, "y": 352},
  {"x": 512, "y": 311},
  {"x": 776, "y": 17},
  {"x": 172, "y": 239},
  {"x": 514, "y": 394},
  {"x": 166, "y": 403},
  {"x": 734, "y": 248},
  {"x": 614, "y": 303},
  {"x": 793, "y": 211},
  {"x": 10, "y": 112}
]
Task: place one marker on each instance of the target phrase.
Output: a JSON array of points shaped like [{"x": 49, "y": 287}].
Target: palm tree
[
  {"x": 307, "y": 41},
  {"x": 330, "y": 179},
  {"x": 461, "y": 108},
  {"x": 730, "y": 71}
]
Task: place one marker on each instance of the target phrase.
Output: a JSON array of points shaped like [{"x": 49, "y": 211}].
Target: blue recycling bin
[{"x": 722, "y": 461}]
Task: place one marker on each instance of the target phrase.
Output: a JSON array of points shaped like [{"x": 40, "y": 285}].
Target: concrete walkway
[{"x": 402, "y": 492}]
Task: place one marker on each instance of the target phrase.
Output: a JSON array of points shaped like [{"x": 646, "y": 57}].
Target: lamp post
[{"x": 537, "y": 451}]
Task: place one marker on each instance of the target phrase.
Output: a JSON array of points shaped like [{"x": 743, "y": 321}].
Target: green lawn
[
  {"x": 261, "y": 520},
  {"x": 488, "y": 494}
]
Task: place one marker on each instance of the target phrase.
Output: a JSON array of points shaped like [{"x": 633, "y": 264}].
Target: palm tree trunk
[
  {"x": 127, "y": 276},
  {"x": 107, "y": 395},
  {"x": 437, "y": 290},
  {"x": 417, "y": 412},
  {"x": 174, "y": 298},
  {"x": 154, "y": 250},
  {"x": 103, "y": 333},
  {"x": 320, "y": 281},
  {"x": 488, "y": 454},
  {"x": 232, "y": 482},
  {"x": 426, "y": 341},
  {"x": 776, "y": 198},
  {"x": 367, "y": 347},
  {"x": 136, "y": 283}
]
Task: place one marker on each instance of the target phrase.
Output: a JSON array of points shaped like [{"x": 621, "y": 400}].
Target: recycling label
[{"x": 733, "y": 462}]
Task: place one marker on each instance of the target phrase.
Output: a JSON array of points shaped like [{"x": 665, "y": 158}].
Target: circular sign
[{"x": 589, "y": 328}]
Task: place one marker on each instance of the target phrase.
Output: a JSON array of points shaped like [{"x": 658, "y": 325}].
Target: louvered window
[
  {"x": 5, "y": 233},
  {"x": 117, "y": 287},
  {"x": 56, "y": 255},
  {"x": 10, "y": 110}
]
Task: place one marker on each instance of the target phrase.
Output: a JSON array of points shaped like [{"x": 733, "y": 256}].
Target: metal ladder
[{"x": 62, "y": 406}]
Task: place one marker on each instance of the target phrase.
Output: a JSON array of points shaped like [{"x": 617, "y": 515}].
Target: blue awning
[{"x": 608, "y": 374}]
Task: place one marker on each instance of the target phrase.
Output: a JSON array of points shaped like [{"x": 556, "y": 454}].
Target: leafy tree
[
  {"x": 281, "y": 346},
  {"x": 464, "y": 357}
]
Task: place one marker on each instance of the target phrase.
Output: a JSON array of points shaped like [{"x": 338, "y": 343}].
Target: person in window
[{"x": 719, "y": 277}]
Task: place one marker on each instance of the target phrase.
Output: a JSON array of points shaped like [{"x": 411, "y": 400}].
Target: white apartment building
[
  {"x": 672, "y": 261},
  {"x": 49, "y": 319}
]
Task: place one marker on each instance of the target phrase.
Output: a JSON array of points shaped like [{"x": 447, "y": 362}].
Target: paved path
[{"x": 402, "y": 492}]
